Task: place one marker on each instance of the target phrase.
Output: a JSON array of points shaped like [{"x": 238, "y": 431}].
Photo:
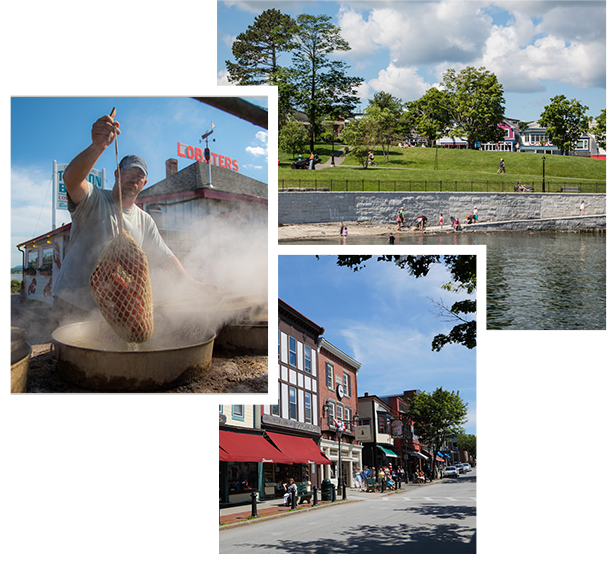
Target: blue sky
[
  {"x": 385, "y": 319},
  {"x": 537, "y": 49},
  {"x": 150, "y": 127}
]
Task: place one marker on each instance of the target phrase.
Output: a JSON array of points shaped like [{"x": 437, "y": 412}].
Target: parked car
[
  {"x": 467, "y": 467},
  {"x": 305, "y": 163},
  {"x": 451, "y": 471},
  {"x": 460, "y": 468}
]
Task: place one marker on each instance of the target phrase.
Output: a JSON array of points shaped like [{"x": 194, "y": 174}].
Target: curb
[{"x": 300, "y": 510}]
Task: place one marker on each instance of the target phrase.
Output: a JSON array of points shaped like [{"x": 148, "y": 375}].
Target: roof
[
  {"x": 194, "y": 177},
  {"x": 292, "y": 314},
  {"x": 324, "y": 344}
]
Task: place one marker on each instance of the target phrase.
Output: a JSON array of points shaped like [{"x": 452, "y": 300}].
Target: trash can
[{"x": 325, "y": 490}]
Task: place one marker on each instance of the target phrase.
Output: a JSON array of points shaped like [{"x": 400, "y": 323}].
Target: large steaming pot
[{"x": 90, "y": 355}]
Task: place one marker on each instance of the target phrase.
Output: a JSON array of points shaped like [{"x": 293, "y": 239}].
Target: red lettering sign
[{"x": 197, "y": 154}]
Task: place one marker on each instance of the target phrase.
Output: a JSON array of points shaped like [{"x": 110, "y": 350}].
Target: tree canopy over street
[{"x": 438, "y": 417}]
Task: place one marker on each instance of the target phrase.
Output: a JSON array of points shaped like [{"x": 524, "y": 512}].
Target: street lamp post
[
  {"x": 339, "y": 477},
  {"x": 543, "y": 174}
]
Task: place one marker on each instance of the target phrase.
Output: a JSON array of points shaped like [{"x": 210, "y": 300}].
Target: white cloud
[
  {"x": 222, "y": 78},
  {"x": 259, "y": 151},
  {"x": 402, "y": 82}
]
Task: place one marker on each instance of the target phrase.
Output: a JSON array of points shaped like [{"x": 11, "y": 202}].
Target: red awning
[
  {"x": 247, "y": 447},
  {"x": 299, "y": 449}
]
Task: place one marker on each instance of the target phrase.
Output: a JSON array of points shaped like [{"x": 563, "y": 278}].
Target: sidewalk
[{"x": 274, "y": 508}]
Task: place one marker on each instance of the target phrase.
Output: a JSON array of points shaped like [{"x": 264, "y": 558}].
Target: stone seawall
[
  {"x": 382, "y": 207},
  {"x": 586, "y": 223}
]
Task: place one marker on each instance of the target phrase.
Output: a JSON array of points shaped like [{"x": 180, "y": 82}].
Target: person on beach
[
  {"x": 440, "y": 220},
  {"x": 391, "y": 239},
  {"x": 582, "y": 208},
  {"x": 475, "y": 213},
  {"x": 341, "y": 228}
]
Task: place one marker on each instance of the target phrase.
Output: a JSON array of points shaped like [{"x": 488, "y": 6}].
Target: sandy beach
[{"x": 302, "y": 231}]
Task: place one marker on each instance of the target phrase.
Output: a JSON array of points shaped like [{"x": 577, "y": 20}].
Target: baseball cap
[{"x": 131, "y": 161}]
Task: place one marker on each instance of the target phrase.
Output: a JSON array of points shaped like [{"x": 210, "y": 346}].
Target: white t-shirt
[{"x": 94, "y": 225}]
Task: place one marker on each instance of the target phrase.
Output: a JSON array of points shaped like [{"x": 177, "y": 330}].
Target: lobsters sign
[{"x": 197, "y": 154}]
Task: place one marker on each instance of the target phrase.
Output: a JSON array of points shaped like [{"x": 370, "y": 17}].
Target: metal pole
[
  {"x": 253, "y": 503},
  {"x": 339, "y": 480},
  {"x": 543, "y": 174},
  {"x": 314, "y": 494}
]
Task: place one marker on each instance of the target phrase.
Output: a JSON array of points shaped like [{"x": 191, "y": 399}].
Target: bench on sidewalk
[
  {"x": 570, "y": 189},
  {"x": 303, "y": 493},
  {"x": 372, "y": 484}
]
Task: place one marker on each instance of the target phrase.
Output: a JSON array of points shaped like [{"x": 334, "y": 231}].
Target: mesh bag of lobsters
[{"x": 120, "y": 284}]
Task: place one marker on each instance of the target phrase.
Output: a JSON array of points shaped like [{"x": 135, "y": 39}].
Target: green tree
[
  {"x": 467, "y": 443},
  {"x": 430, "y": 114},
  {"x": 463, "y": 279},
  {"x": 437, "y": 417},
  {"x": 359, "y": 136},
  {"x": 293, "y": 137},
  {"x": 476, "y": 104},
  {"x": 600, "y": 129},
  {"x": 565, "y": 121},
  {"x": 384, "y": 110},
  {"x": 257, "y": 49},
  {"x": 323, "y": 89}
]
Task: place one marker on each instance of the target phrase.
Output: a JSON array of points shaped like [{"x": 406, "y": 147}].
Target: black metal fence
[{"x": 333, "y": 185}]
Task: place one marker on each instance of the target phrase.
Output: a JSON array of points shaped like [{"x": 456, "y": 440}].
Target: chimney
[{"x": 171, "y": 167}]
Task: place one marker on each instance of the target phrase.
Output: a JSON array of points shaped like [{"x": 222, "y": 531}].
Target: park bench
[
  {"x": 570, "y": 189},
  {"x": 303, "y": 493},
  {"x": 372, "y": 484}
]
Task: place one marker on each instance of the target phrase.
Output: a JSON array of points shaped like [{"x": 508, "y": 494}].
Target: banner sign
[
  {"x": 95, "y": 178},
  {"x": 197, "y": 154}
]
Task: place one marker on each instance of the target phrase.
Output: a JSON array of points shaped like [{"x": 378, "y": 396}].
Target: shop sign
[
  {"x": 61, "y": 194},
  {"x": 197, "y": 154},
  {"x": 362, "y": 432},
  {"x": 288, "y": 424}
]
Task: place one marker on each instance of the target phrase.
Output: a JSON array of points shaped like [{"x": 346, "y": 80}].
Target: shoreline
[{"x": 308, "y": 231}]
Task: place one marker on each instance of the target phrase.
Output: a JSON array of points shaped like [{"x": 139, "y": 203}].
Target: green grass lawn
[{"x": 447, "y": 170}]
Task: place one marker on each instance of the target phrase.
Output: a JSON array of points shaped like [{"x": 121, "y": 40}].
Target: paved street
[{"x": 439, "y": 518}]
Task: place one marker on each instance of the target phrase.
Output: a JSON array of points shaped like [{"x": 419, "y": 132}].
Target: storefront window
[{"x": 242, "y": 476}]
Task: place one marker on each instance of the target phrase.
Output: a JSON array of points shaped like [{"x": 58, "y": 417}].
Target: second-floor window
[
  {"x": 308, "y": 400},
  {"x": 346, "y": 384},
  {"x": 292, "y": 403},
  {"x": 329, "y": 373}
]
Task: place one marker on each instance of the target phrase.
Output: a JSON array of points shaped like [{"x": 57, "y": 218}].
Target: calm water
[{"x": 544, "y": 280}]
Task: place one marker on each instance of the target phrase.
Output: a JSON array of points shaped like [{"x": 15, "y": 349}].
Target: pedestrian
[
  {"x": 400, "y": 219},
  {"x": 345, "y": 231},
  {"x": 502, "y": 168},
  {"x": 475, "y": 213},
  {"x": 341, "y": 228},
  {"x": 312, "y": 161},
  {"x": 357, "y": 478},
  {"x": 94, "y": 215},
  {"x": 440, "y": 220},
  {"x": 582, "y": 208},
  {"x": 290, "y": 490}
]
